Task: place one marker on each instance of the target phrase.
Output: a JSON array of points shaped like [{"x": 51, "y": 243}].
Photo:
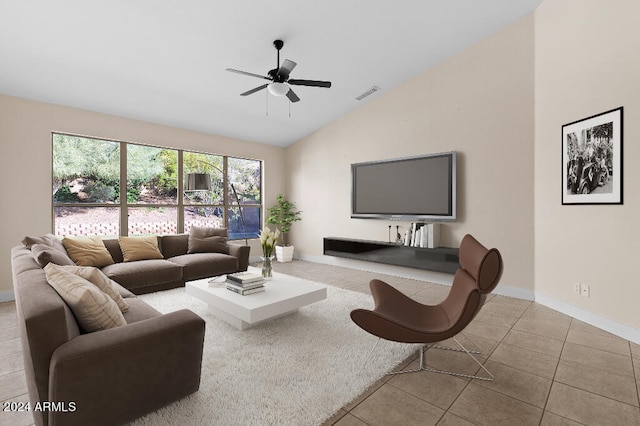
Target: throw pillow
[
  {"x": 93, "y": 309},
  {"x": 88, "y": 251},
  {"x": 208, "y": 240},
  {"x": 139, "y": 248},
  {"x": 44, "y": 254},
  {"x": 48, "y": 240},
  {"x": 100, "y": 280}
]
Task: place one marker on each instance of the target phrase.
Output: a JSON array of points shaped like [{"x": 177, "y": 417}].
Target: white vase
[{"x": 284, "y": 253}]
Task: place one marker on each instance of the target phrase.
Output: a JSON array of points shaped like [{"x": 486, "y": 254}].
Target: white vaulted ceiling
[{"x": 164, "y": 61}]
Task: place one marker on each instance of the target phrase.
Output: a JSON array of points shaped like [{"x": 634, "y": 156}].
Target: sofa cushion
[
  {"x": 139, "y": 311},
  {"x": 44, "y": 254},
  {"x": 143, "y": 273},
  {"x": 174, "y": 245},
  {"x": 87, "y": 251},
  {"x": 139, "y": 248},
  {"x": 100, "y": 280},
  {"x": 48, "y": 240},
  {"x": 208, "y": 240},
  {"x": 203, "y": 265},
  {"x": 93, "y": 309}
]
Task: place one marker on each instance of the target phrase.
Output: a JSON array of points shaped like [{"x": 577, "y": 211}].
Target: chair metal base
[{"x": 425, "y": 367}]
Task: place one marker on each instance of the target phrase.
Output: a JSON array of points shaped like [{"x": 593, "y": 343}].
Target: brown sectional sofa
[
  {"x": 178, "y": 266},
  {"x": 115, "y": 375}
]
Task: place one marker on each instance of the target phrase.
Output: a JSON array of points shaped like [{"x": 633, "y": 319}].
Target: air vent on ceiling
[{"x": 371, "y": 91}]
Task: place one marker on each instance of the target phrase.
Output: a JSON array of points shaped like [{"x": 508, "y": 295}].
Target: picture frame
[{"x": 592, "y": 159}]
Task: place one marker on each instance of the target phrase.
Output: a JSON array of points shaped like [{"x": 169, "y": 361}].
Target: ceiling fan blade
[
  {"x": 292, "y": 96},
  {"x": 286, "y": 68},
  {"x": 248, "y": 92},
  {"x": 314, "y": 83},
  {"x": 250, "y": 74}
]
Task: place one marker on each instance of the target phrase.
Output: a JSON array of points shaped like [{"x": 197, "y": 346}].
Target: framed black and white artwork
[{"x": 592, "y": 159}]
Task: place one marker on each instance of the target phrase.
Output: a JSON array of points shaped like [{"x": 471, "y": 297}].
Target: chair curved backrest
[
  {"x": 484, "y": 265},
  {"x": 479, "y": 273},
  {"x": 399, "y": 318}
]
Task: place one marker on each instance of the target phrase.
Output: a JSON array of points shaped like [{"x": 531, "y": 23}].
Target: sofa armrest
[
  {"x": 242, "y": 253},
  {"x": 116, "y": 375}
]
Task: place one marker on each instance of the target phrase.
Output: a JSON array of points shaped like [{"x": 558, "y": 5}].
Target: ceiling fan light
[{"x": 278, "y": 89}]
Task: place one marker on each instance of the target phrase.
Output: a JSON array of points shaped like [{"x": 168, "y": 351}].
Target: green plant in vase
[{"x": 283, "y": 215}]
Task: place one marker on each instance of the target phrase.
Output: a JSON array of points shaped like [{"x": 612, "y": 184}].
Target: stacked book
[{"x": 245, "y": 283}]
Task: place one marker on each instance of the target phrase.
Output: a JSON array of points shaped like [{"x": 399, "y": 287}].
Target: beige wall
[
  {"x": 478, "y": 103},
  {"x": 25, "y": 163},
  {"x": 587, "y": 62}
]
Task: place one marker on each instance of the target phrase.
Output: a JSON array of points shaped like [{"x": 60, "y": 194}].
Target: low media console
[{"x": 434, "y": 259}]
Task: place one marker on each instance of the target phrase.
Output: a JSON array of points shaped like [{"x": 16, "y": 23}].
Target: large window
[
  {"x": 86, "y": 186},
  {"x": 112, "y": 188}
]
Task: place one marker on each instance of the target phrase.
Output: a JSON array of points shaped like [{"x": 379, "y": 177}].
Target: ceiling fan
[{"x": 279, "y": 77}]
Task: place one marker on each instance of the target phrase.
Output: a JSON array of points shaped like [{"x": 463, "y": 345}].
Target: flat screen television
[{"x": 421, "y": 188}]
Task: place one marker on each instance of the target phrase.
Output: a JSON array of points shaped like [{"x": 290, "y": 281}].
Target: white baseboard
[
  {"x": 604, "y": 323},
  {"x": 412, "y": 273},
  {"x": 607, "y": 324},
  {"x": 7, "y": 296}
]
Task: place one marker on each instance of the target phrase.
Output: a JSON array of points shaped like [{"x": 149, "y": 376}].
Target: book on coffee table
[
  {"x": 245, "y": 277},
  {"x": 247, "y": 286},
  {"x": 246, "y": 291}
]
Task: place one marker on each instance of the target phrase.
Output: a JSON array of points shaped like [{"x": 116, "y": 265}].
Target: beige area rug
[{"x": 296, "y": 370}]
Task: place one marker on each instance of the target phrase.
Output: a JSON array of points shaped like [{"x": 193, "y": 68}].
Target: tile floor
[{"x": 549, "y": 368}]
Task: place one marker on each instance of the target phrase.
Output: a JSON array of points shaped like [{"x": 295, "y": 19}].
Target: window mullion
[
  {"x": 124, "y": 205},
  {"x": 180, "y": 192},
  {"x": 225, "y": 192}
]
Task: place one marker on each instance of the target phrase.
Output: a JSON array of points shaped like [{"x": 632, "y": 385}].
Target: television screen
[{"x": 419, "y": 188}]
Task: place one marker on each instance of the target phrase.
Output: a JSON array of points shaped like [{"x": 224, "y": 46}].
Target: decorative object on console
[
  {"x": 424, "y": 235},
  {"x": 283, "y": 215},
  {"x": 592, "y": 159}
]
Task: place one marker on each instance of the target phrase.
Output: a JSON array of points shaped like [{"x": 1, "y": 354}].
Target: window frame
[{"x": 228, "y": 203}]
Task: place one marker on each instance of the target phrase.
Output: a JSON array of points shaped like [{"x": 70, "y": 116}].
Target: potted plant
[{"x": 283, "y": 215}]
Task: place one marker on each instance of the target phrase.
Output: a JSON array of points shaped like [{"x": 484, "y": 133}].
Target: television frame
[{"x": 427, "y": 217}]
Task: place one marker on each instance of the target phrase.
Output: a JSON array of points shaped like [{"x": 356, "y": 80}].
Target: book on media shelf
[
  {"x": 244, "y": 291},
  {"x": 424, "y": 235},
  {"x": 245, "y": 277}
]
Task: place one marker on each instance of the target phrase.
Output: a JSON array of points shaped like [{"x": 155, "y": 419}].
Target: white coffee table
[{"x": 284, "y": 294}]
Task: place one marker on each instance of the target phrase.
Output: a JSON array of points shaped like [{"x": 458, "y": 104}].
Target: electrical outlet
[
  {"x": 585, "y": 290},
  {"x": 576, "y": 288}
]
